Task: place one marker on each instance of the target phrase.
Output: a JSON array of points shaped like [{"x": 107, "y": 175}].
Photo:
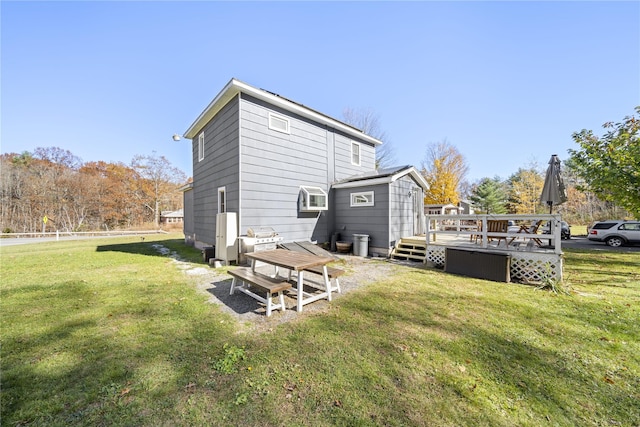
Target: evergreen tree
[{"x": 489, "y": 196}]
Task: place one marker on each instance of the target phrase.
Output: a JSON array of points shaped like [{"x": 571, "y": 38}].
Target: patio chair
[
  {"x": 493, "y": 226},
  {"x": 532, "y": 229}
]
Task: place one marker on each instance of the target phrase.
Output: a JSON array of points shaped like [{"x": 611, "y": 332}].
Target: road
[
  {"x": 28, "y": 240},
  {"x": 584, "y": 243}
]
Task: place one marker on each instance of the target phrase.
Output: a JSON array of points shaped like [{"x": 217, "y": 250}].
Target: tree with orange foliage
[
  {"x": 444, "y": 168},
  {"x": 525, "y": 188}
]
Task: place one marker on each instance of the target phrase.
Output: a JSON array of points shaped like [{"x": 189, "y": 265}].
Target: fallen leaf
[
  {"x": 337, "y": 403},
  {"x": 462, "y": 368},
  {"x": 608, "y": 380}
]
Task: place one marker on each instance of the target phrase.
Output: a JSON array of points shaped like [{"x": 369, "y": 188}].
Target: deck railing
[{"x": 530, "y": 260}]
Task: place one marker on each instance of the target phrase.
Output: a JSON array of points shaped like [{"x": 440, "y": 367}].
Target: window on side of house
[
  {"x": 222, "y": 200},
  {"x": 355, "y": 153},
  {"x": 278, "y": 123},
  {"x": 313, "y": 199},
  {"x": 201, "y": 146},
  {"x": 362, "y": 199}
]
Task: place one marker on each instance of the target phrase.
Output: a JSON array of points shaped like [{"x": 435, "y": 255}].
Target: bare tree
[
  {"x": 369, "y": 122},
  {"x": 160, "y": 179}
]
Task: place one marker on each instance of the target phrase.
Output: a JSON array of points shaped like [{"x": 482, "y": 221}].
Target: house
[
  {"x": 272, "y": 162},
  {"x": 171, "y": 217},
  {"x": 446, "y": 209}
]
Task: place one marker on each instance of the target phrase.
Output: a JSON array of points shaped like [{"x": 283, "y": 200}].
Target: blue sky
[{"x": 506, "y": 83}]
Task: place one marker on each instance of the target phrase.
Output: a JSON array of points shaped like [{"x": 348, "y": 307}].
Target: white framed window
[
  {"x": 201, "y": 146},
  {"x": 355, "y": 153},
  {"x": 362, "y": 199},
  {"x": 313, "y": 199},
  {"x": 222, "y": 199},
  {"x": 278, "y": 123}
]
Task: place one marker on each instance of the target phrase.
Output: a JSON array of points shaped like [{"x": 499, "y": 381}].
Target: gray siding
[
  {"x": 343, "y": 166},
  {"x": 371, "y": 220},
  {"x": 401, "y": 215},
  {"x": 274, "y": 165},
  {"x": 390, "y": 219},
  {"x": 219, "y": 168},
  {"x": 187, "y": 206}
]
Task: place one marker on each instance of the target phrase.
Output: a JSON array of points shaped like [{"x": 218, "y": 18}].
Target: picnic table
[{"x": 299, "y": 262}]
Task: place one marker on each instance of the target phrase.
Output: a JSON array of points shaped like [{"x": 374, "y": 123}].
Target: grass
[{"x": 109, "y": 332}]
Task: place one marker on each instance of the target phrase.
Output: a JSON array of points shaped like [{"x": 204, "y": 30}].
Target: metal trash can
[{"x": 361, "y": 245}]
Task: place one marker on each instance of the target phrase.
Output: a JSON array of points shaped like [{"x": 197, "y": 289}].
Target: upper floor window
[
  {"x": 355, "y": 153},
  {"x": 279, "y": 123},
  {"x": 362, "y": 199},
  {"x": 201, "y": 146}
]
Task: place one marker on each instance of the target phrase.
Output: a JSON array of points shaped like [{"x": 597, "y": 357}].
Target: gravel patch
[{"x": 250, "y": 314}]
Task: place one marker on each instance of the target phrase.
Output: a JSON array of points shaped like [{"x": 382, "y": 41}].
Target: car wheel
[{"x": 614, "y": 241}]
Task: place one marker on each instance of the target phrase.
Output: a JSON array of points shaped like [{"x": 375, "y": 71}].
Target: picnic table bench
[
  {"x": 332, "y": 273},
  {"x": 298, "y": 262},
  {"x": 267, "y": 284}
]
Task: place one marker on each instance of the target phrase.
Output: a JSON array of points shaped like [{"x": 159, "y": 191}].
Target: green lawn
[{"x": 109, "y": 332}]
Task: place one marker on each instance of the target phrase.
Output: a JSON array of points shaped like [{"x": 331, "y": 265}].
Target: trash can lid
[{"x": 360, "y": 235}]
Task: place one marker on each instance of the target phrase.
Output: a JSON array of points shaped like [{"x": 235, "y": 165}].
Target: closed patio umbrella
[{"x": 553, "y": 191}]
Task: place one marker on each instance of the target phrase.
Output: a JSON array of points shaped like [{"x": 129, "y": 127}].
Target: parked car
[
  {"x": 565, "y": 230},
  {"x": 615, "y": 232}
]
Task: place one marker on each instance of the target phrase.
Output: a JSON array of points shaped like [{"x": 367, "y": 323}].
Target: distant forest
[{"x": 77, "y": 196}]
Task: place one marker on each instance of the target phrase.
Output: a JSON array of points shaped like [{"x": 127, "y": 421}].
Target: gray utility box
[{"x": 494, "y": 266}]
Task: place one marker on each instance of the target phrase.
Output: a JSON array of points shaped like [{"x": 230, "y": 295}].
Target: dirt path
[{"x": 250, "y": 314}]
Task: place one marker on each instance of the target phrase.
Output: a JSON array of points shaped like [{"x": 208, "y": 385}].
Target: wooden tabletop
[{"x": 289, "y": 259}]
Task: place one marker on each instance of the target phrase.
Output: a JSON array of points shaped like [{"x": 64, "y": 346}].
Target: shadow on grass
[
  {"x": 161, "y": 248},
  {"x": 238, "y": 302}
]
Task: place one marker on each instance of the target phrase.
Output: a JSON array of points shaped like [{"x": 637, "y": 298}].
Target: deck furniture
[
  {"x": 299, "y": 262},
  {"x": 532, "y": 229},
  {"x": 272, "y": 286},
  {"x": 493, "y": 226},
  {"x": 332, "y": 272}
]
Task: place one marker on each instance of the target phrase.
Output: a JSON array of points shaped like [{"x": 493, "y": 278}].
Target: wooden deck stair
[{"x": 414, "y": 248}]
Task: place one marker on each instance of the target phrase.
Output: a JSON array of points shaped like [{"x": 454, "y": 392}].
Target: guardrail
[{"x": 58, "y": 234}]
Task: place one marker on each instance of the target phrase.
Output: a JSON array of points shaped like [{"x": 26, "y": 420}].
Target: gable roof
[
  {"x": 172, "y": 214},
  {"x": 383, "y": 176},
  {"x": 236, "y": 86}
]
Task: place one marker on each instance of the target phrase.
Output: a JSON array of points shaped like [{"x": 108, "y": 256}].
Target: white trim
[
  {"x": 307, "y": 193},
  {"x": 235, "y": 86},
  {"x": 386, "y": 180},
  {"x": 222, "y": 190},
  {"x": 368, "y": 196},
  {"x": 282, "y": 119},
  {"x": 187, "y": 187},
  {"x": 416, "y": 175},
  {"x": 356, "y": 144},
  {"x": 364, "y": 182},
  {"x": 201, "y": 146}
]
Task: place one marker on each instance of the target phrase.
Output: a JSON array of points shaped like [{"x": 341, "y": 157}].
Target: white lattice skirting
[{"x": 526, "y": 267}]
